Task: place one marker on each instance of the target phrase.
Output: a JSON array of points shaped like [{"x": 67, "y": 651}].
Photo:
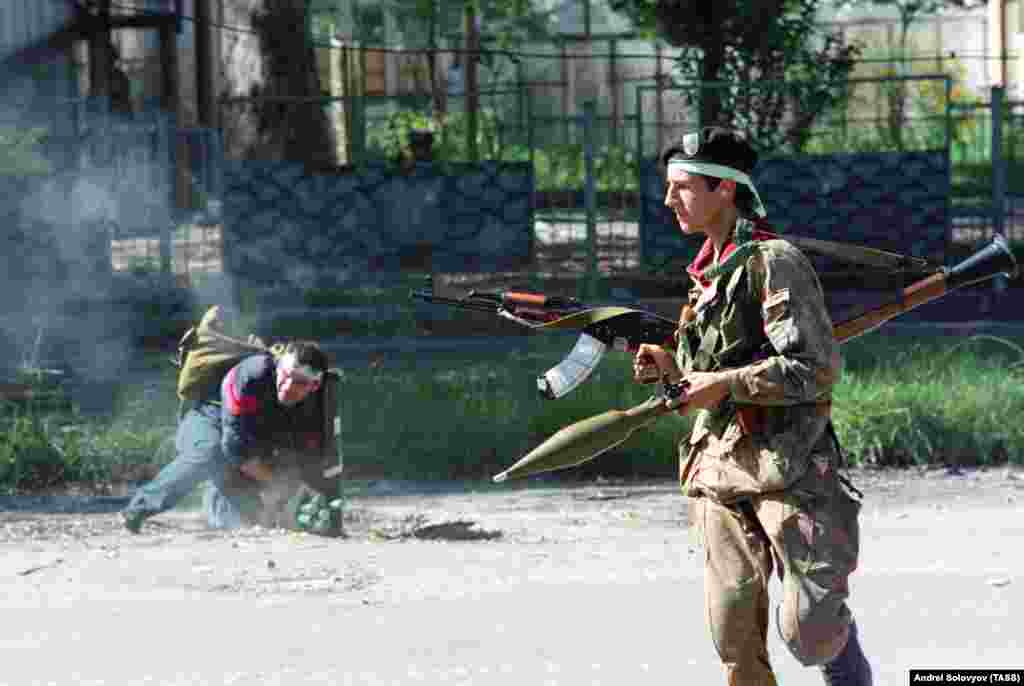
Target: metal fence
[
  {"x": 587, "y": 199},
  {"x": 988, "y": 161},
  {"x": 133, "y": 180}
]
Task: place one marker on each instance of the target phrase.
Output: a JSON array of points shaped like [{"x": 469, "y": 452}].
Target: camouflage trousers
[{"x": 809, "y": 535}]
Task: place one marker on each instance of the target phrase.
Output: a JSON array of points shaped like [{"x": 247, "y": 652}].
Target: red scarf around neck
[{"x": 706, "y": 255}]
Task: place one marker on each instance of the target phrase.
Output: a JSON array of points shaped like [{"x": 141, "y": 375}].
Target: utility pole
[{"x": 470, "y": 63}]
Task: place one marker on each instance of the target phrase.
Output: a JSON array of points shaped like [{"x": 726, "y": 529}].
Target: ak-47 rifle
[{"x": 600, "y": 327}]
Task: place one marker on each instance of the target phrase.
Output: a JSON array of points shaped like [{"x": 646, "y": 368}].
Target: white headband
[
  {"x": 290, "y": 363},
  {"x": 720, "y": 171}
]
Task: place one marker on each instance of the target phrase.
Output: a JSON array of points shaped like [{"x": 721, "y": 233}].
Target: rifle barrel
[{"x": 463, "y": 303}]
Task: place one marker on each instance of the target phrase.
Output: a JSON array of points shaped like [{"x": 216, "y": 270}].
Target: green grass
[
  {"x": 941, "y": 401},
  {"x": 901, "y": 401},
  {"x": 468, "y": 418},
  {"x": 48, "y": 441}
]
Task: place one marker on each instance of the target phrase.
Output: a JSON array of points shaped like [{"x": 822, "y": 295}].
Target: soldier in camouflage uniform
[{"x": 756, "y": 347}]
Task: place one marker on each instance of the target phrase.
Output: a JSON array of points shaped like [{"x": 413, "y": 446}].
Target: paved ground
[{"x": 456, "y": 584}]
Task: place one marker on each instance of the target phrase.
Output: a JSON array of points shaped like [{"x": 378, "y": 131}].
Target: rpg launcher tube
[
  {"x": 586, "y": 439},
  {"x": 994, "y": 259}
]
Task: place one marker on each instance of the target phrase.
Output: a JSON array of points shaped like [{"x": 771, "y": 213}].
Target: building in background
[{"x": 968, "y": 44}]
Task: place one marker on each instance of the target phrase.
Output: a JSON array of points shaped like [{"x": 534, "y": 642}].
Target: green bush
[
  {"x": 935, "y": 402},
  {"x": 390, "y": 138},
  {"x": 974, "y": 179},
  {"x": 898, "y": 403},
  {"x": 562, "y": 166},
  {"x": 557, "y": 166},
  {"x": 28, "y": 458},
  {"x": 470, "y": 415},
  {"x": 48, "y": 442},
  {"x": 19, "y": 152}
]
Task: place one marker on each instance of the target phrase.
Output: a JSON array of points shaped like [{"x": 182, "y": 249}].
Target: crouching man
[{"x": 258, "y": 438}]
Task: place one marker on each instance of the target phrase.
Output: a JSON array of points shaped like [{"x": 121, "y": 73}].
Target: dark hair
[
  {"x": 728, "y": 147},
  {"x": 718, "y": 145},
  {"x": 308, "y": 352},
  {"x": 746, "y": 204}
]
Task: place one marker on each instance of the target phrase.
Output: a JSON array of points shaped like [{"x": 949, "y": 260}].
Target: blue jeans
[{"x": 199, "y": 458}]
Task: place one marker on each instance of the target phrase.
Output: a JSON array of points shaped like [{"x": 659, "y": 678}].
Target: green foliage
[
  {"x": 469, "y": 415},
  {"x": 973, "y": 180},
  {"x": 28, "y": 458},
  {"x": 557, "y": 166},
  {"x": 452, "y": 136},
  {"x": 562, "y": 166},
  {"x": 770, "y": 71},
  {"x": 892, "y": 108},
  {"x": 390, "y": 139},
  {"x": 883, "y": 112},
  {"x": 19, "y": 154},
  {"x": 48, "y": 443},
  {"x": 899, "y": 402},
  {"x": 509, "y": 22},
  {"x": 932, "y": 402},
  {"x": 413, "y": 411}
]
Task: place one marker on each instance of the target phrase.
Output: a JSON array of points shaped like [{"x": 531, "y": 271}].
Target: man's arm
[
  {"x": 806, "y": 363},
  {"x": 243, "y": 396}
]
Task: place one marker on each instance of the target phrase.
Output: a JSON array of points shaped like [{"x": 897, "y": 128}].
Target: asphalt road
[{"x": 569, "y": 586}]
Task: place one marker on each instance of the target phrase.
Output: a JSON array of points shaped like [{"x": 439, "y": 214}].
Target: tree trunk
[
  {"x": 710, "y": 93},
  {"x": 270, "y": 81},
  {"x": 898, "y": 102}
]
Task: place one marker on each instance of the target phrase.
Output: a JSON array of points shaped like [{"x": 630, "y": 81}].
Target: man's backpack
[{"x": 206, "y": 353}]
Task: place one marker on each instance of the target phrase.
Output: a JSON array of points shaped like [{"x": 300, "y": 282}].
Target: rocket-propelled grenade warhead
[{"x": 588, "y": 438}]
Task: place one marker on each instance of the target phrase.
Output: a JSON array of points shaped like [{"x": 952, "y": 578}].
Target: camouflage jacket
[{"x": 760, "y": 312}]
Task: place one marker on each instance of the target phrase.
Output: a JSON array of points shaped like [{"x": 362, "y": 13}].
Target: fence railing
[{"x": 187, "y": 164}]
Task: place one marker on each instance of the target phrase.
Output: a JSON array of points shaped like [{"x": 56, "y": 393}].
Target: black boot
[{"x": 850, "y": 667}]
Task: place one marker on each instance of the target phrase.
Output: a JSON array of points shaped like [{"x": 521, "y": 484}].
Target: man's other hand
[
  {"x": 706, "y": 390},
  {"x": 653, "y": 363}
]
